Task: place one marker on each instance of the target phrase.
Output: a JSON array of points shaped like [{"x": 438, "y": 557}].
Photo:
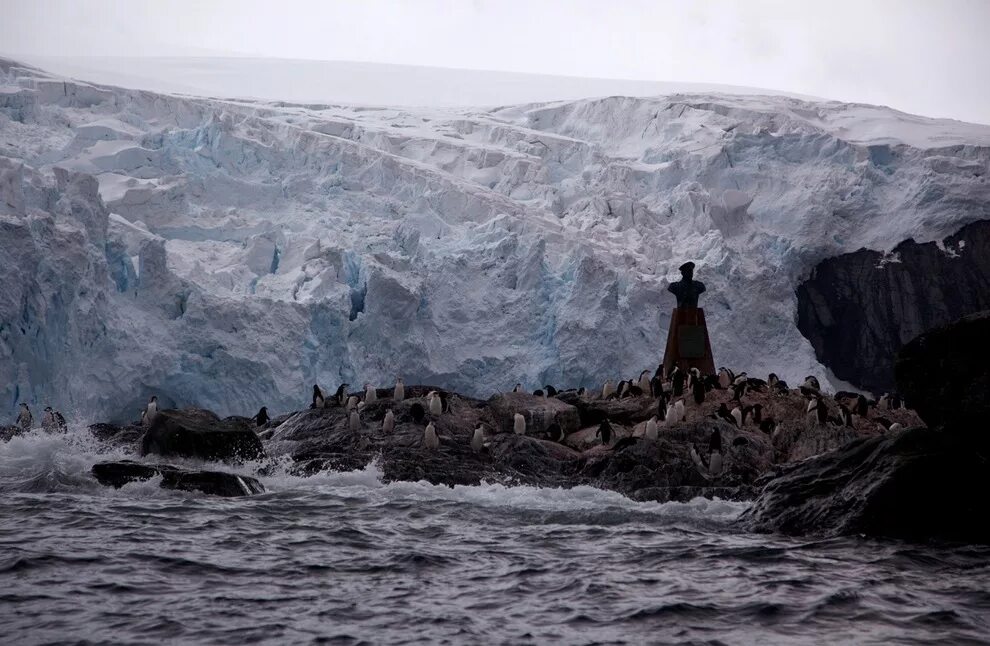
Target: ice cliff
[{"x": 231, "y": 253}]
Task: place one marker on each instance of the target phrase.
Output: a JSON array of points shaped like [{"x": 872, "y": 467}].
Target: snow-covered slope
[{"x": 230, "y": 254}]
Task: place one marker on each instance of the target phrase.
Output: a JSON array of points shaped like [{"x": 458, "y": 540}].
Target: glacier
[{"x": 231, "y": 253}]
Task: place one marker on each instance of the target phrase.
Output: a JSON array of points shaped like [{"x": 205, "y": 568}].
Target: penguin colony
[{"x": 673, "y": 393}]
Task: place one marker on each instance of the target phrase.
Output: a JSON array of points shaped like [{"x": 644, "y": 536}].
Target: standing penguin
[
  {"x": 679, "y": 410},
  {"x": 370, "y": 394},
  {"x": 399, "y": 392},
  {"x": 725, "y": 378},
  {"x": 48, "y": 420},
  {"x": 60, "y": 423},
  {"x": 517, "y": 388},
  {"x": 715, "y": 453},
  {"x": 430, "y": 438},
  {"x": 698, "y": 390},
  {"x": 677, "y": 381},
  {"x": 605, "y": 432},
  {"x": 737, "y": 416},
  {"x": 518, "y": 424},
  {"x": 550, "y": 390},
  {"x": 388, "y": 423},
  {"x": 317, "y": 397},
  {"x": 150, "y": 411},
  {"x": 341, "y": 394},
  {"x": 355, "y": 421},
  {"x": 262, "y": 417},
  {"x": 862, "y": 406},
  {"x": 478, "y": 439},
  {"x": 724, "y": 414},
  {"x": 434, "y": 403},
  {"x": 554, "y": 431},
  {"x": 608, "y": 389},
  {"x": 352, "y": 402},
  {"x": 650, "y": 434},
  {"x": 24, "y": 418},
  {"x": 656, "y": 386},
  {"x": 644, "y": 381}
]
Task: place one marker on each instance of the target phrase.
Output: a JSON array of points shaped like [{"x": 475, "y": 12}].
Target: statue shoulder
[{"x": 699, "y": 286}]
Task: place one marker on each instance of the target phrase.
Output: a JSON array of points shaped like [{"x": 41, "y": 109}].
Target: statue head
[{"x": 687, "y": 270}]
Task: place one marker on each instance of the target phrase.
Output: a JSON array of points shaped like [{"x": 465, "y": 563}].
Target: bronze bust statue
[{"x": 687, "y": 290}]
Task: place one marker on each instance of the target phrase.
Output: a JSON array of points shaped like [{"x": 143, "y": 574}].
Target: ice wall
[{"x": 230, "y": 254}]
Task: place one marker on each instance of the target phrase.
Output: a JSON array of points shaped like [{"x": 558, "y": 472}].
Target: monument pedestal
[{"x": 688, "y": 345}]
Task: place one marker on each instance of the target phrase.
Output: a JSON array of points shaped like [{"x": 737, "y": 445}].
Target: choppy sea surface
[{"x": 344, "y": 558}]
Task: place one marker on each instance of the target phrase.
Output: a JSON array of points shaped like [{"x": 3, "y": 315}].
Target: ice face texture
[{"x": 230, "y": 254}]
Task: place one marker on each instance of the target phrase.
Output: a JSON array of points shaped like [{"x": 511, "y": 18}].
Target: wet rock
[
  {"x": 538, "y": 411},
  {"x": 217, "y": 483},
  {"x": 196, "y": 433},
  {"x": 128, "y": 437},
  {"x": 918, "y": 484},
  {"x": 7, "y": 433},
  {"x": 944, "y": 374}
]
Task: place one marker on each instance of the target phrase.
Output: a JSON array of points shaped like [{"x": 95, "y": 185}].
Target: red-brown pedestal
[{"x": 688, "y": 345}]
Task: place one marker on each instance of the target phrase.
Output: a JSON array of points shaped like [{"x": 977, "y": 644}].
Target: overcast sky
[{"x": 930, "y": 57}]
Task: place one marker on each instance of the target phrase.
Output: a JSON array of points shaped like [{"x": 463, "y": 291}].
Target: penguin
[
  {"x": 24, "y": 418},
  {"x": 694, "y": 376},
  {"x": 444, "y": 403},
  {"x": 896, "y": 402},
  {"x": 150, "y": 411},
  {"x": 355, "y": 421},
  {"x": 884, "y": 402},
  {"x": 810, "y": 387},
  {"x": 725, "y": 378},
  {"x": 517, "y": 389},
  {"x": 658, "y": 374},
  {"x": 478, "y": 439},
  {"x": 434, "y": 403},
  {"x": 262, "y": 417},
  {"x": 812, "y": 382},
  {"x": 539, "y": 393},
  {"x": 755, "y": 414},
  {"x": 317, "y": 397},
  {"x": 370, "y": 394},
  {"x": 605, "y": 432},
  {"x": 430, "y": 438},
  {"x": 550, "y": 390},
  {"x": 341, "y": 395},
  {"x": 48, "y": 420},
  {"x": 417, "y": 412},
  {"x": 817, "y": 412},
  {"x": 772, "y": 381},
  {"x": 862, "y": 406},
  {"x": 698, "y": 390},
  {"x": 679, "y": 410},
  {"x": 388, "y": 423},
  {"x": 715, "y": 453},
  {"x": 737, "y": 416},
  {"x": 724, "y": 414},
  {"x": 650, "y": 434},
  {"x": 671, "y": 415},
  {"x": 582, "y": 392},
  {"x": 739, "y": 391},
  {"x": 633, "y": 390},
  {"x": 741, "y": 378},
  {"x": 656, "y": 387},
  {"x": 399, "y": 392},
  {"x": 644, "y": 381},
  {"x": 352, "y": 402},
  {"x": 554, "y": 431},
  {"x": 608, "y": 389},
  {"x": 847, "y": 418},
  {"x": 518, "y": 424},
  {"x": 677, "y": 381}
]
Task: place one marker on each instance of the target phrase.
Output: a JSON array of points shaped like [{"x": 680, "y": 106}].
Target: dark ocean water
[{"x": 343, "y": 558}]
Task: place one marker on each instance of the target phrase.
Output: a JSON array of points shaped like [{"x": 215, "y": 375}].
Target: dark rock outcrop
[
  {"x": 196, "y": 433},
  {"x": 944, "y": 374},
  {"x": 126, "y": 437},
  {"x": 919, "y": 484},
  {"x": 858, "y": 309},
  {"x": 217, "y": 483}
]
